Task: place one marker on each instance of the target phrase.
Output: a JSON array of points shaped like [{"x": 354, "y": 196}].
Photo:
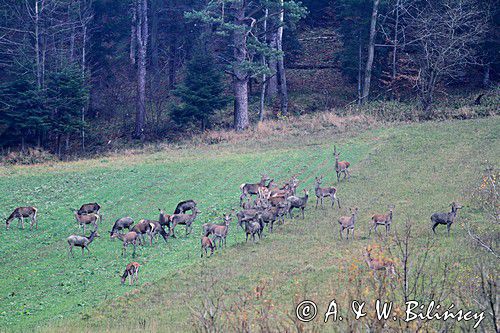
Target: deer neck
[{"x": 91, "y": 238}]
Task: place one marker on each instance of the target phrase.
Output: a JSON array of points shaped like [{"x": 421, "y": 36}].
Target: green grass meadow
[{"x": 420, "y": 168}]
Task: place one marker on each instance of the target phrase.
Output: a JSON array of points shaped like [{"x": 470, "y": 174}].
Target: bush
[{"x": 30, "y": 156}]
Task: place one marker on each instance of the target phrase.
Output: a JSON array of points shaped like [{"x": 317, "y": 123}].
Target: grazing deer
[
  {"x": 121, "y": 224},
  {"x": 379, "y": 264},
  {"x": 324, "y": 192},
  {"x": 445, "y": 218},
  {"x": 184, "y": 219},
  {"x": 81, "y": 241},
  {"x": 382, "y": 219},
  {"x": 341, "y": 167},
  {"x": 207, "y": 243},
  {"x": 220, "y": 231},
  {"x": 83, "y": 220},
  {"x": 247, "y": 189},
  {"x": 128, "y": 238},
  {"x": 132, "y": 270},
  {"x": 184, "y": 206},
  {"x": 347, "y": 222},
  {"x": 298, "y": 202},
  {"x": 20, "y": 213},
  {"x": 143, "y": 228},
  {"x": 89, "y": 208}
]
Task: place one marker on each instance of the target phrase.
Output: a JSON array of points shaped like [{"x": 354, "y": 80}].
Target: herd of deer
[{"x": 272, "y": 204}]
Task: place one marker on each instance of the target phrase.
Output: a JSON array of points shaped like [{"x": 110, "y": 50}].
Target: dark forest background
[{"x": 82, "y": 76}]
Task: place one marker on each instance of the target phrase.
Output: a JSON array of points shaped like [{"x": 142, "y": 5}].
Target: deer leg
[
  {"x": 338, "y": 201},
  {"x": 22, "y": 222},
  {"x": 348, "y": 174},
  {"x": 71, "y": 251},
  {"x": 341, "y": 232},
  {"x": 303, "y": 217},
  {"x": 83, "y": 252},
  {"x": 352, "y": 233},
  {"x": 434, "y": 227},
  {"x": 317, "y": 198},
  {"x": 246, "y": 239},
  {"x": 347, "y": 233},
  {"x": 322, "y": 202},
  {"x": 448, "y": 226}
]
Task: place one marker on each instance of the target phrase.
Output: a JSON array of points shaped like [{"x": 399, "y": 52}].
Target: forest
[{"x": 81, "y": 77}]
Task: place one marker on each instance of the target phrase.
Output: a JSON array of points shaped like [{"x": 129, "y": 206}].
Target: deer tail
[
  {"x": 242, "y": 185},
  {"x": 347, "y": 164}
]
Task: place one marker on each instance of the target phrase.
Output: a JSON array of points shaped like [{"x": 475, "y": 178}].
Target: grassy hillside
[{"x": 420, "y": 168}]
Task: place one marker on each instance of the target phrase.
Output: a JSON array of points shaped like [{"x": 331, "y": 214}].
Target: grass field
[{"x": 420, "y": 168}]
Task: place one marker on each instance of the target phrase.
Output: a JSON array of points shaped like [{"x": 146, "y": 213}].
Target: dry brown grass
[{"x": 284, "y": 128}]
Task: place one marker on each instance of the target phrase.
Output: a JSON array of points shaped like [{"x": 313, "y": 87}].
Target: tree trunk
[
  {"x": 264, "y": 76},
  {"x": 142, "y": 40},
  {"x": 486, "y": 76},
  {"x": 133, "y": 33},
  {"x": 272, "y": 82},
  {"x": 84, "y": 59},
  {"x": 281, "y": 64},
  {"x": 37, "y": 46},
  {"x": 360, "y": 59},
  {"x": 371, "y": 52},
  {"x": 240, "y": 74},
  {"x": 394, "y": 52}
]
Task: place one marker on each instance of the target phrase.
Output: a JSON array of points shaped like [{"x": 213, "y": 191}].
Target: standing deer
[
  {"x": 20, "y": 213},
  {"x": 129, "y": 238},
  {"x": 247, "y": 189},
  {"x": 220, "y": 231},
  {"x": 379, "y": 264},
  {"x": 324, "y": 192},
  {"x": 184, "y": 206},
  {"x": 83, "y": 220},
  {"x": 347, "y": 222},
  {"x": 298, "y": 202},
  {"x": 445, "y": 218},
  {"x": 132, "y": 271},
  {"x": 207, "y": 243},
  {"x": 184, "y": 219},
  {"x": 341, "y": 167},
  {"x": 93, "y": 207},
  {"x": 382, "y": 219},
  {"x": 81, "y": 241},
  {"x": 252, "y": 228}
]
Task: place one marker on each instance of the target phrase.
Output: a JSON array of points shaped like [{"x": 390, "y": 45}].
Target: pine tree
[{"x": 201, "y": 93}]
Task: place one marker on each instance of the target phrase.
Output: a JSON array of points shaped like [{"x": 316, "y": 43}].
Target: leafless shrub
[{"x": 485, "y": 198}]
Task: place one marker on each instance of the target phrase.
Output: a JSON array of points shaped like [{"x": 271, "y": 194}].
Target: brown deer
[
  {"x": 121, "y": 224},
  {"x": 143, "y": 228},
  {"x": 382, "y": 219},
  {"x": 341, "y": 167},
  {"x": 298, "y": 202},
  {"x": 220, "y": 231},
  {"x": 184, "y": 219},
  {"x": 252, "y": 228},
  {"x": 324, "y": 192},
  {"x": 445, "y": 218},
  {"x": 347, "y": 222},
  {"x": 20, "y": 213},
  {"x": 81, "y": 241},
  {"x": 247, "y": 189},
  {"x": 207, "y": 243},
  {"x": 93, "y": 207},
  {"x": 377, "y": 264},
  {"x": 128, "y": 238},
  {"x": 184, "y": 206},
  {"x": 132, "y": 271},
  {"x": 90, "y": 218}
]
